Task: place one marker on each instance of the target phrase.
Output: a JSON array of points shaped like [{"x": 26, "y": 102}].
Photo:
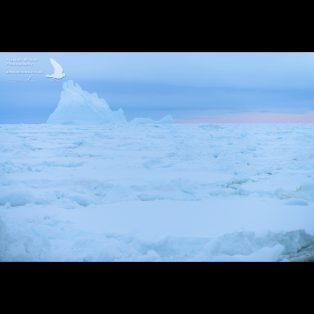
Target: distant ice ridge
[
  {"x": 165, "y": 120},
  {"x": 77, "y": 106}
]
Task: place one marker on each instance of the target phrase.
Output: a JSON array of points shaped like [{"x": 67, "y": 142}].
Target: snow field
[{"x": 155, "y": 191}]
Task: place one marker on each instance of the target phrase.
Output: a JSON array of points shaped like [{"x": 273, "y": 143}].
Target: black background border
[{"x": 201, "y": 29}]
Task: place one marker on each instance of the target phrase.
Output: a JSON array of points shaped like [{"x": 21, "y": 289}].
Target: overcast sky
[{"x": 189, "y": 86}]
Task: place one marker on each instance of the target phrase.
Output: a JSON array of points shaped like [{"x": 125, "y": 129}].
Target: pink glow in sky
[{"x": 254, "y": 117}]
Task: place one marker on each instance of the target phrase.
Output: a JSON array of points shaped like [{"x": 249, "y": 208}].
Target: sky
[{"x": 192, "y": 87}]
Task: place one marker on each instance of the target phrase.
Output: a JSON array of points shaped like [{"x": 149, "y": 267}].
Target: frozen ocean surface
[{"x": 157, "y": 192}]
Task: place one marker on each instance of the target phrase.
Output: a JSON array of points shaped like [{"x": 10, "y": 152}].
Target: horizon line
[{"x": 252, "y": 117}]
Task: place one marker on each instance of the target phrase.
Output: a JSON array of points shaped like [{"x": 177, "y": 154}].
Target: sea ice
[{"x": 122, "y": 192}]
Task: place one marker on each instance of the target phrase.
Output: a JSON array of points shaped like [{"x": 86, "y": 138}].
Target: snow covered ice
[
  {"x": 90, "y": 186},
  {"x": 156, "y": 192}
]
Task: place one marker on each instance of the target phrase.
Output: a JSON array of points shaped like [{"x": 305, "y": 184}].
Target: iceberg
[{"x": 77, "y": 106}]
